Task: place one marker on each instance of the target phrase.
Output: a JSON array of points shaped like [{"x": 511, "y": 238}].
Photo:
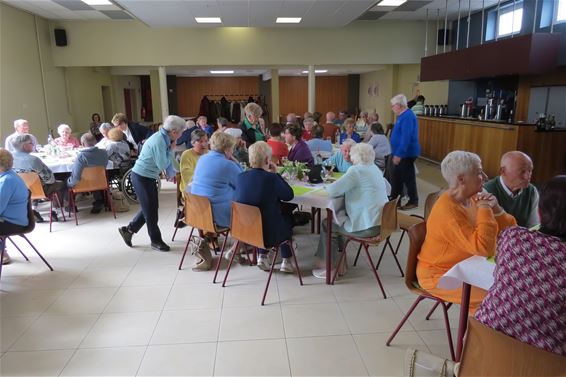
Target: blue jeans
[{"x": 146, "y": 191}]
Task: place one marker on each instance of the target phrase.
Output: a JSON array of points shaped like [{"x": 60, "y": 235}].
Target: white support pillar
[
  {"x": 163, "y": 92},
  {"x": 312, "y": 90}
]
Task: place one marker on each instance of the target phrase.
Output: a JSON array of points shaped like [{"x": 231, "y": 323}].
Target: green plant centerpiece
[{"x": 294, "y": 170}]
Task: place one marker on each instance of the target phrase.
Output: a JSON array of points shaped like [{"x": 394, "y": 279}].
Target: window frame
[
  {"x": 506, "y": 10},
  {"x": 557, "y": 6}
]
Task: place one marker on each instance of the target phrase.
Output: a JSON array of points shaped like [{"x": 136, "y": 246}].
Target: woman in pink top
[{"x": 66, "y": 139}]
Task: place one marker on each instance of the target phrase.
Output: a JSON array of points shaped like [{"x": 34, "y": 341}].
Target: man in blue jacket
[{"x": 405, "y": 150}]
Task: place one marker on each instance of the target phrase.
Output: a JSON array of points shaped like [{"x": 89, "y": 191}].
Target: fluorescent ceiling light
[
  {"x": 221, "y": 72},
  {"x": 208, "y": 20},
  {"x": 391, "y": 3},
  {"x": 288, "y": 20},
  {"x": 318, "y": 71},
  {"x": 97, "y": 2}
]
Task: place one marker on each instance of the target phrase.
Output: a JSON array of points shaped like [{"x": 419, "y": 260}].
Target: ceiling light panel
[
  {"x": 288, "y": 20},
  {"x": 97, "y": 2},
  {"x": 226, "y": 72},
  {"x": 208, "y": 20},
  {"x": 391, "y": 3}
]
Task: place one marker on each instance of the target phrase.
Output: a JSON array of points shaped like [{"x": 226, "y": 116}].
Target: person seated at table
[
  {"x": 103, "y": 129},
  {"x": 513, "y": 189},
  {"x": 262, "y": 187},
  {"x": 330, "y": 127},
  {"x": 185, "y": 138},
  {"x": 341, "y": 118},
  {"x": 349, "y": 132},
  {"x": 89, "y": 156},
  {"x": 202, "y": 123},
  {"x": 380, "y": 145},
  {"x": 21, "y": 127},
  {"x": 527, "y": 300},
  {"x": 251, "y": 128},
  {"x": 299, "y": 149},
  {"x": 14, "y": 203},
  {"x": 363, "y": 217},
  {"x": 279, "y": 149},
  {"x": 221, "y": 124},
  {"x": 135, "y": 133},
  {"x": 362, "y": 124},
  {"x": 95, "y": 126},
  {"x": 118, "y": 150},
  {"x": 373, "y": 118},
  {"x": 463, "y": 222},
  {"x": 25, "y": 162},
  {"x": 66, "y": 138},
  {"x": 308, "y": 124},
  {"x": 317, "y": 144},
  {"x": 341, "y": 160},
  {"x": 215, "y": 178},
  {"x": 240, "y": 150},
  {"x": 291, "y": 119},
  {"x": 190, "y": 157}
]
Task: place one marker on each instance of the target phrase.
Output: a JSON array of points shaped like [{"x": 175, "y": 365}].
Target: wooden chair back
[
  {"x": 488, "y": 352},
  {"x": 198, "y": 213},
  {"x": 93, "y": 178},
  {"x": 429, "y": 203},
  {"x": 33, "y": 182},
  {"x": 246, "y": 225},
  {"x": 389, "y": 218},
  {"x": 417, "y": 234}
]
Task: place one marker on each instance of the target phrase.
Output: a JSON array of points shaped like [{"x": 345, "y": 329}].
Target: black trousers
[
  {"x": 146, "y": 191},
  {"x": 7, "y": 228},
  {"x": 404, "y": 174}
]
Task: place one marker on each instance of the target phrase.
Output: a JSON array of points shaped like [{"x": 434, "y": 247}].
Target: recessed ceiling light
[
  {"x": 97, "y": 2},
  {"x": 391, "y": 3},
  {"x": 288, "y": 20},
  {"x": 208, "y": 20},
  {"x": 221, "y": 72},
  {"x": 318, "y": 71}
]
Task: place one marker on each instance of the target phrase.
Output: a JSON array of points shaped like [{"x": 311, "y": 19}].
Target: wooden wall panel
[
  {"x": 190, "y": 90},
  {"x": 546, "y": 149},
  {"x": 293, "y": 95},
  {"x": 556, "y": 77}
]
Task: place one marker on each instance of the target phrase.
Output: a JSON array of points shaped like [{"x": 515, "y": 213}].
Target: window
[
  {"x": 510, "y": 21},
  {"x": 561, "y": 11}
]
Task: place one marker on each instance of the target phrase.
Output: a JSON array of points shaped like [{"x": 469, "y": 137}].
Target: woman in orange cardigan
[{"x": 463, "y": 222}]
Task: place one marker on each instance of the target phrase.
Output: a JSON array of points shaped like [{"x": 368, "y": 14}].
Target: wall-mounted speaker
[
  {"x": 441, "y": 32},
  {"x": 60, "y": 37}
]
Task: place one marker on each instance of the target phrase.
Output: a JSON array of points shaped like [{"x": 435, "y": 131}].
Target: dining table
[
  {"x": 62, "y": 162},
  {"x": 474, "y": 271}
]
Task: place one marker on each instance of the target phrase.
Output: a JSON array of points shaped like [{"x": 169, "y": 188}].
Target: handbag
[
  {"x": 420, "y": 364},
  {"x": 119, "y": 201}
]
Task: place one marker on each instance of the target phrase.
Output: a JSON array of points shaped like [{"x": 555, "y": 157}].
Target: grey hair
[
  {"x": 309, "y": 120},
  {"x": 349, "y": 142},
  {"x": 399, "y": 99},
  {"x": 63, "y": 127},
  {"x": 458, "y": 163},
  {"x": 258, "y": 152},
  {"x": 190, "y": 123},
  {"x": 88, "y": 140},
  {"x": 221, "y": 142},
  {"x": 105, "y": 127},
  {"x": 6, "y": 159},
  {"x": 362, "y": 154},
  {"x": 19, "y": 141},
  {"x": 253, "y": 108},
  {"x": 19, "y": 122},
  {"x": 174, "y": 123},
  {"x": 196, "y": 135}
]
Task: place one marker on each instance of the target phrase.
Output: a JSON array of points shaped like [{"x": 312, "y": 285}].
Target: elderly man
[
  {"x": 136, "y": 134},
  {"x": 89, "y": 156},
  {"x": 291, "y": 119},
  {"x": 21, "y": 127},
  {"x": 24, "y": 162},
  {"x": 308, "y": 124},
  {"x": 341, "y": 160},
  {"x": 341, "y": 118},
  {"x": 330, "y": 128},
  {"x": 405, "y": 150},
  {"x": 513, "y": 190}
]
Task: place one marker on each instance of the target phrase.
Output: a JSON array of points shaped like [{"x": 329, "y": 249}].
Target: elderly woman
[
  {"x": 526, "y": 300},
  {"x": 190, "y": 157},
  {"x": 299, "y": 149},
  {"x": 362, "y": 181},
  {"x": 103, "y": 129},
  {"x": 251, "y": 129},
  {"x": 349, "y": 132},
  {"x": 240, "y": 150},
  {"x": 341, "y": 159},
  {"x": 463, "y": 222},
  {"x": 380, "y": 145},
  {"x": 262, "y": 187},
  {"x": 117, "y": 149},
  {"x": 95, "y": 126},
  {"x": 362, "y": 124},
  {"x": 14, "y": 203},
  {"x": 66, "y": 139},
  {"x": 155, "y": 156},
  {"x": 308, "y": 124}
]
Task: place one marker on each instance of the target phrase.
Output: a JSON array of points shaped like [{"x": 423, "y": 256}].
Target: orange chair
[
  {"x": 198, "y": 215},
  {"x": 93, "y": 178},
  {"x": 28, "y": 229},
  {"x": 388, "y": 226},
  {"x": 417, "y": 234},
  {"x": 247, "y": 228},
  {"x": 33, "y": 183}
]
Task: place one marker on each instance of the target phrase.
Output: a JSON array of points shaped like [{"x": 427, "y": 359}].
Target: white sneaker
[
  {"x": 286, "y": 266},
  {"x": 319, "y": 273},
  {"x": 263, "y": 262}
]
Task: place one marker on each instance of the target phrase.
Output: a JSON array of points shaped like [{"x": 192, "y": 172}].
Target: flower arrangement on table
[{"x": 294, "y": 170}]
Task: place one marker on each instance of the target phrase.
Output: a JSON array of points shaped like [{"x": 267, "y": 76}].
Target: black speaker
[
  {"x": 441, "y": 32},
  {"x": 60, "y": 37}
]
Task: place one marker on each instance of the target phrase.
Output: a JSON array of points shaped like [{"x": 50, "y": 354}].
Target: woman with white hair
[
  {"x": 66, "y": 139},
  {"x": 155, "y": 156},
  {"x": 463, "y": 222},
  {"x": 262, "y": 187},
  {"x": 103, "y": 130},
  {"x": 251, "y": 128},
  {"x": 362, "y": 181}
]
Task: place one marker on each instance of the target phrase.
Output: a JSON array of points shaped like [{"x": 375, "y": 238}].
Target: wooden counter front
[{"x": 439, "y": 136}]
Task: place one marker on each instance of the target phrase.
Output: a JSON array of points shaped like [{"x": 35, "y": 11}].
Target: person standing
[
  {"x": 155, "y": 156},
  {"x": 405, "y": 150}
]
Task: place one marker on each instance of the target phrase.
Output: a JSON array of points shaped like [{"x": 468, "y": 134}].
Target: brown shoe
[{"x": 408, "y": 206}]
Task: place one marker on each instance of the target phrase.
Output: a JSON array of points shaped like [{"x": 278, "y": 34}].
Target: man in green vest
[{"x": 513, "y": 190}]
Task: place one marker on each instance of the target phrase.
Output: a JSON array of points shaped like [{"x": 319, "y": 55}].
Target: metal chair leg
[
  {"x": 448, "y": 332},
  {"x": 37, "y": 252},
  {"x": 220, "y": 259},
  {"x": 230, "y": 264},
  {"x": 358, "y": 255},
  {"x": 269, "y": 277},
  {"x": 366, "y": 247},
  {"x": 17, "y": 248},
  {"x": 340, "y": 261},
  {"x": 295, "y": 259},
  {"x": 186, "y": 248},
  {"x": 405, "y": 318},
  {"x": 434, "y": 308}
]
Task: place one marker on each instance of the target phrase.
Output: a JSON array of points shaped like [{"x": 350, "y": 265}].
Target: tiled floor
[{"x": 112, "y": 310}]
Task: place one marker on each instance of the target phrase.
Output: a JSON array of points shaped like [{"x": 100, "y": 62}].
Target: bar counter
[{"x": 490, "y": 140}]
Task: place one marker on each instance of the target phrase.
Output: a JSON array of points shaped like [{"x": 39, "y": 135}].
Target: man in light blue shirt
[
  {"x": 341, "y": 160},
  {"x": 317, "y": 144}
]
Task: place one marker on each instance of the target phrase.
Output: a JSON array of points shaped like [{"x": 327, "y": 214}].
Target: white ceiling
[{"x": 248, "y": 13}]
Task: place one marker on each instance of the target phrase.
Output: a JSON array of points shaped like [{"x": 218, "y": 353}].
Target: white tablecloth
[
  {"x": 476, "y": 271},
  {"x": 319, "y": 198}
]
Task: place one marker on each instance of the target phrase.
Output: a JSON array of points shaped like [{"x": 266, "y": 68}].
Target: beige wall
[
  {"x": 408, "y": 82},
  {"x": 119, "y": 83},
  {"x": 382, "y": 82}
]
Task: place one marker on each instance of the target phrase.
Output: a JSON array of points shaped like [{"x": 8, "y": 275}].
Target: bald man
[{"x": 513, "y": 190}]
